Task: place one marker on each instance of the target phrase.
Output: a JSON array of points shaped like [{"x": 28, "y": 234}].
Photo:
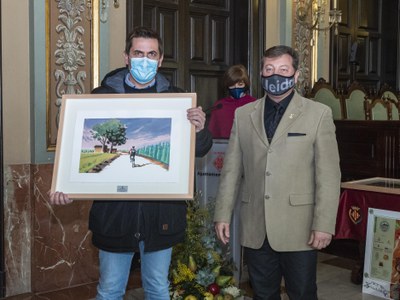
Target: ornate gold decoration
[
  {"x": 310, "y": 18},
  {"x": 89, "y": 11},
  {"x": 103, "y": 4},
  {"x": 301, "y": 37},
  {"x": 69, "y": 51},
  {"x": 70, "y": 54},
  {"x": 311, "y": 13}
]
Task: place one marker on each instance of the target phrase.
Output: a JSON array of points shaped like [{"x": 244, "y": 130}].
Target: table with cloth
[{"x": 355, "y": 200}]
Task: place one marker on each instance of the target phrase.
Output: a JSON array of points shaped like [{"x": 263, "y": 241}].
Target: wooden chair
[
  {"x": 354, "y": 102},
  {"x": 377, "y": 109},
  {"x": 386, "y": 91},
  {"x": 392, "y": 97},
  {"x": 323, "y": 92},
  {"x": 394, "y": 108}
]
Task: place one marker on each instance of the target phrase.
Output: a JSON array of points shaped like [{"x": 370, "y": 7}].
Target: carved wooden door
[
  {"x": 202, "y": 38},
  {"x": 367, "y": 46}
]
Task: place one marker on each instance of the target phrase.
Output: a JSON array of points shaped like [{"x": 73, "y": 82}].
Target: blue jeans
[{"x": 115, "y": 268}]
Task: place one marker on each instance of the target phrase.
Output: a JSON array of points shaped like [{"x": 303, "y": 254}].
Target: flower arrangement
[{"x": 201, "y": 267}]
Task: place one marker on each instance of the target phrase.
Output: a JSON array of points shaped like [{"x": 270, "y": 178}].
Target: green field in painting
[{"x": 90, "y": 160}]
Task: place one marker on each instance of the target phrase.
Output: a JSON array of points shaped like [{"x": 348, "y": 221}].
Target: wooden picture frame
[{"x": 97, "y": 131}]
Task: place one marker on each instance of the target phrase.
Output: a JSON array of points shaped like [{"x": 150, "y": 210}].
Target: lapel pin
[{"x": 291, "y": 116}]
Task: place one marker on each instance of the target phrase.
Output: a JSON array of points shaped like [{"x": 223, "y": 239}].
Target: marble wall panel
[
  {"x": 17, "y": 228},
  {"x": 47, "y": 247},
  {"x": 63, "y": 255}
]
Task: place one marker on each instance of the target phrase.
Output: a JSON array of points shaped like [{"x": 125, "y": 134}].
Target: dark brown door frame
[{"x": 256, "y": 44}]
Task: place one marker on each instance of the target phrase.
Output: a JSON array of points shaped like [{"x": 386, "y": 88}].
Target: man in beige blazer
[{"x": 291, "y": 182}]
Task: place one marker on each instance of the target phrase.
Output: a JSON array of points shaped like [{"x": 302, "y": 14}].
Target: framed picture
[
  {"x": 125, "y": 147},
  {"x": 382, "y": 254}
]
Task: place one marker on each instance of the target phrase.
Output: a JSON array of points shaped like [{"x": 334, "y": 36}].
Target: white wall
[
  {"x": 272, "y": 19},
  {"x": 112, "y": 39},
  {"x": 16, "y": 81},
  {"x": 117, "y": 35},
  {"x": 278, "y": 18}
]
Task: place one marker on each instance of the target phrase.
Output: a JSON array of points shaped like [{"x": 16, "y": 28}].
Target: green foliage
[
  {"x": 158, "y": 152},
  {"x": 200, "y": 260},
  {"x": 112, "y": 132},
  {"x": 197, "y": 226}
]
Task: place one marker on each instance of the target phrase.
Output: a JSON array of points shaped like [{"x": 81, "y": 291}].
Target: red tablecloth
[{"x": 352, "y": 217}]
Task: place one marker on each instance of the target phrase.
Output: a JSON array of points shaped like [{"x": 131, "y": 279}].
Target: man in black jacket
[{"x": 121, "y": 228}]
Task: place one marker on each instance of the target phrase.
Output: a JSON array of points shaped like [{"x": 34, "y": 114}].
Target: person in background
[
  {"x": 121, "y": 228},
  {"x": 283, "y": 147},
  {"x": 236, "y": 82}
]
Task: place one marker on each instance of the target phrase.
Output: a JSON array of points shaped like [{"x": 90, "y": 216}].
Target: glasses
[{"x": 150, "y": 55}]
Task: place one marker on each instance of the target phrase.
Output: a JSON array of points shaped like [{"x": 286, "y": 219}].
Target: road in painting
[
  {"x": 123, "y": 145},
  {"x": 123, "y": 164}
]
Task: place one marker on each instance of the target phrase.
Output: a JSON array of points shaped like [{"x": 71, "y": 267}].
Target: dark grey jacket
[{"x": 117, "y": 226}]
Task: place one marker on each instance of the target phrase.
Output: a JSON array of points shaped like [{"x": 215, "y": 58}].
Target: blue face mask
[
  {"x": 277, "y": 85},
  {"x": 237, "y": 93},
  {"x": 143, "y": 70}
]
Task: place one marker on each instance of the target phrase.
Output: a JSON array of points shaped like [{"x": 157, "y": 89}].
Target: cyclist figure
[{"x": 132, "y": 154}]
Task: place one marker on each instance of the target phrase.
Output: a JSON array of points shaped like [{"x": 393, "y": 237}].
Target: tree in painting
[
  {"x": 112, "y": 132},
  {"x": 159, "y": 152}
]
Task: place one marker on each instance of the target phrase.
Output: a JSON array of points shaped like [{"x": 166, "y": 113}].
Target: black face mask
[{"x": 277, "y": 85}]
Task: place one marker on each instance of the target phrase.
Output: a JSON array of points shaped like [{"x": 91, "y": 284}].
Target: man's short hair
[
  {"x": 280, "y": 50},
  {"x": 143, "y": 32}
]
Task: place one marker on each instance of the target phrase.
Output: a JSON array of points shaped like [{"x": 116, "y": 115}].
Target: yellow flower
[{"x": 183, "y": 274}]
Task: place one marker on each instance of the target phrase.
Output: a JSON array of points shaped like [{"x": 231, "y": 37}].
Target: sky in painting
[{"x": 139, "y": 132}]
